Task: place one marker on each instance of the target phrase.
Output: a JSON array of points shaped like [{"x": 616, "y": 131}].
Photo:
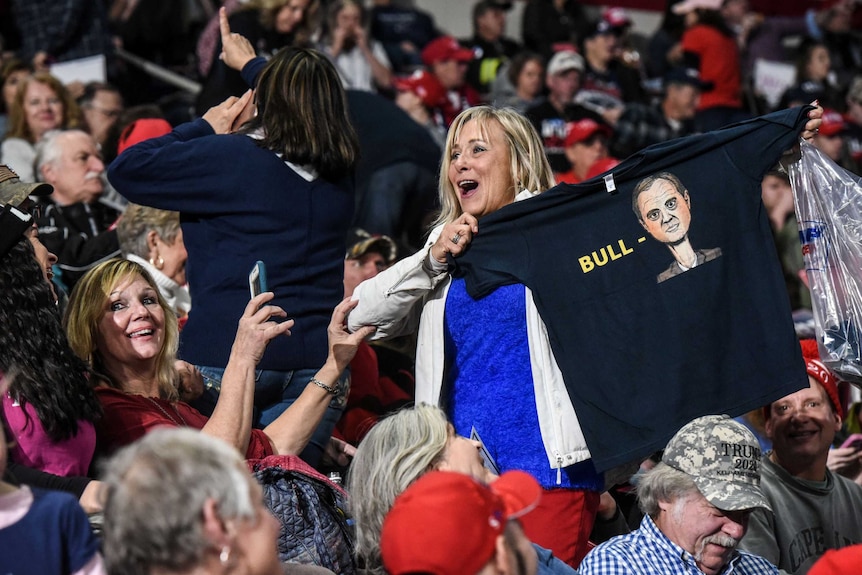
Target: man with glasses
[
  {"x": 663, "y": 208},
  {"x": 102, "y": 105}
]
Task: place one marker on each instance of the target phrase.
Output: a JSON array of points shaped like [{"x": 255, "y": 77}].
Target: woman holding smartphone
[{"x": 277, "y": 189}]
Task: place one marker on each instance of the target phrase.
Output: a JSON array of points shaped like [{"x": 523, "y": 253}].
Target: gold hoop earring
[{"x": 158, "y": 264}]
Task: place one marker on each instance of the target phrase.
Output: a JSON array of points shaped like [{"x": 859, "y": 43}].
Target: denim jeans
[{"x": 274, "y": 392}]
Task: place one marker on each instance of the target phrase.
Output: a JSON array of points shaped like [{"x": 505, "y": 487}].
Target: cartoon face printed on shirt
[{"x": 664, "y": 211}]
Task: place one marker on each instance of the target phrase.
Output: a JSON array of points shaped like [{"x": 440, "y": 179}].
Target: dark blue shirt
[
  {"x": 53, "y": 537},
  {"x": 240, "y": 203}
]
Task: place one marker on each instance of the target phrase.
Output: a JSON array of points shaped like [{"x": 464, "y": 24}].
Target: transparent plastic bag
[{"x": 828, "y": 202}]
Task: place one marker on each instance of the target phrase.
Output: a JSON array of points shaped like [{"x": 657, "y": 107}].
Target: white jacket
[{"x": 411, "y": 295}]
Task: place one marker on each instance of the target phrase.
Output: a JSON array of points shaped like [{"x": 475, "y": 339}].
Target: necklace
[{"x": 168, "y": 415}]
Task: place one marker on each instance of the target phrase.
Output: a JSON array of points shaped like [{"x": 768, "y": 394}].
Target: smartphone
[
  {"x": 854, "y": 441},
  {"x": 257, "y": 279}
]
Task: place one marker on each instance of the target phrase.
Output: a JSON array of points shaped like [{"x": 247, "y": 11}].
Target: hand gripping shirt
[{"x": 642, "y": 351}]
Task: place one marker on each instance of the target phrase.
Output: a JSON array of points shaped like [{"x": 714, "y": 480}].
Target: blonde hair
[
  {"x": 528, "y": 163},
  {"x": 397, "y": 451},
  {"x": 18, "y": 126},
  {"x": 87, "y": 306}
]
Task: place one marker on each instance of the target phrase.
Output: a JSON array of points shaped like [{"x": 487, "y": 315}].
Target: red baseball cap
[
  {"x": 445, "y": 48},
  {"x": 616, "y": 17},
  {"x": 140, "y": 130},
  {"x": 447, "y": 523},
  {"x": 816, "y": 369},
  {"x": 583, "y": 130},
  {"x": 424, "y": 85},
  {"x": 844, "y": 561},
  {"x": 832, "y": 123},
  {"x": 820, "y": 372}
]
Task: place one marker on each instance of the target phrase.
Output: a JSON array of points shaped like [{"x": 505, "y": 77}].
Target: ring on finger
[{"x": 456, "y": 238}]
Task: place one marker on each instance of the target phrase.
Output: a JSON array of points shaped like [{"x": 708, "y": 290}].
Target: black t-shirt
[{"x": 642, "y": 357}]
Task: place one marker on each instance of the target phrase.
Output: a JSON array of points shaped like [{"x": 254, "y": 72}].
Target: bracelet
[{"x": 333, "y": 389}]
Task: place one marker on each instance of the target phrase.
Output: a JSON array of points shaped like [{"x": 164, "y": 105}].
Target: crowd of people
[{"x": 358, "y": 250}]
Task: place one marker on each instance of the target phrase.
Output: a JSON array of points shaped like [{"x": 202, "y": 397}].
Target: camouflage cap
[
  {"x": 13, "y": 191},
  {"x": 360, "y": 242},
  {"x": 723, "y": 459}
]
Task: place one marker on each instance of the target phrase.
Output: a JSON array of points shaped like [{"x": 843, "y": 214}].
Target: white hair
[
  {"x": 50, "y": 148},
  {"x": 663, "y": 483},
  {"x": 156, "y": 490},
  {"x": 398, "y": 450}
]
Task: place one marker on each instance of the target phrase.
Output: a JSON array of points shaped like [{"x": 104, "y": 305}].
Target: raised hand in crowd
[{"x": 236, "y": 50}]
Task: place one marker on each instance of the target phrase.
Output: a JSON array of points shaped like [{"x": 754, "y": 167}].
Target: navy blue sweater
[{"x": 240, "y": 203}]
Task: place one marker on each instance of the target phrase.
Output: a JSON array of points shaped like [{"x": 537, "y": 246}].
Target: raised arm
[
  {"x": 232, "y": 417},
  {"x": 292, "y": 430},
  {"x": 236, "y": 50},
  {"x": 393, "y": 299}
]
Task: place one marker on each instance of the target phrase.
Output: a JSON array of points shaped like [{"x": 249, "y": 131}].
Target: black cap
[
  {"x": 690, "y": 76},
  {"x": 598, "y": 28}
]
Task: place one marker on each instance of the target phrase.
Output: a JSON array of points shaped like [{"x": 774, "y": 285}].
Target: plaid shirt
[
  {"x": 64, "y": 29},
  {"x": 641, "y": 126},
  {"x": 648, "y": 551}
]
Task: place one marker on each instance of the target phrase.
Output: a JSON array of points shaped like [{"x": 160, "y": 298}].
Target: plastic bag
[{"x": 828, "y": 202}]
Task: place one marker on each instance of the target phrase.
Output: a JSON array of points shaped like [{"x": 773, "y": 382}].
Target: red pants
[{"x": 562, "y": 522}]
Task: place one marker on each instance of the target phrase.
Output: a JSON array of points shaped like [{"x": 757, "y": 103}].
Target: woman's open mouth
[{"x": 466, "y": 187}]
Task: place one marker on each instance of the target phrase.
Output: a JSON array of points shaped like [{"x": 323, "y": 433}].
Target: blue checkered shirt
[{"x": 648, "y": 551}]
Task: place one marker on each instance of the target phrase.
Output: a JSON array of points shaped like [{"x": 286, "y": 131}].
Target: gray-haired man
[
  {"x": 697, "y": 502},
  {"x": 74, "y": 224}
]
